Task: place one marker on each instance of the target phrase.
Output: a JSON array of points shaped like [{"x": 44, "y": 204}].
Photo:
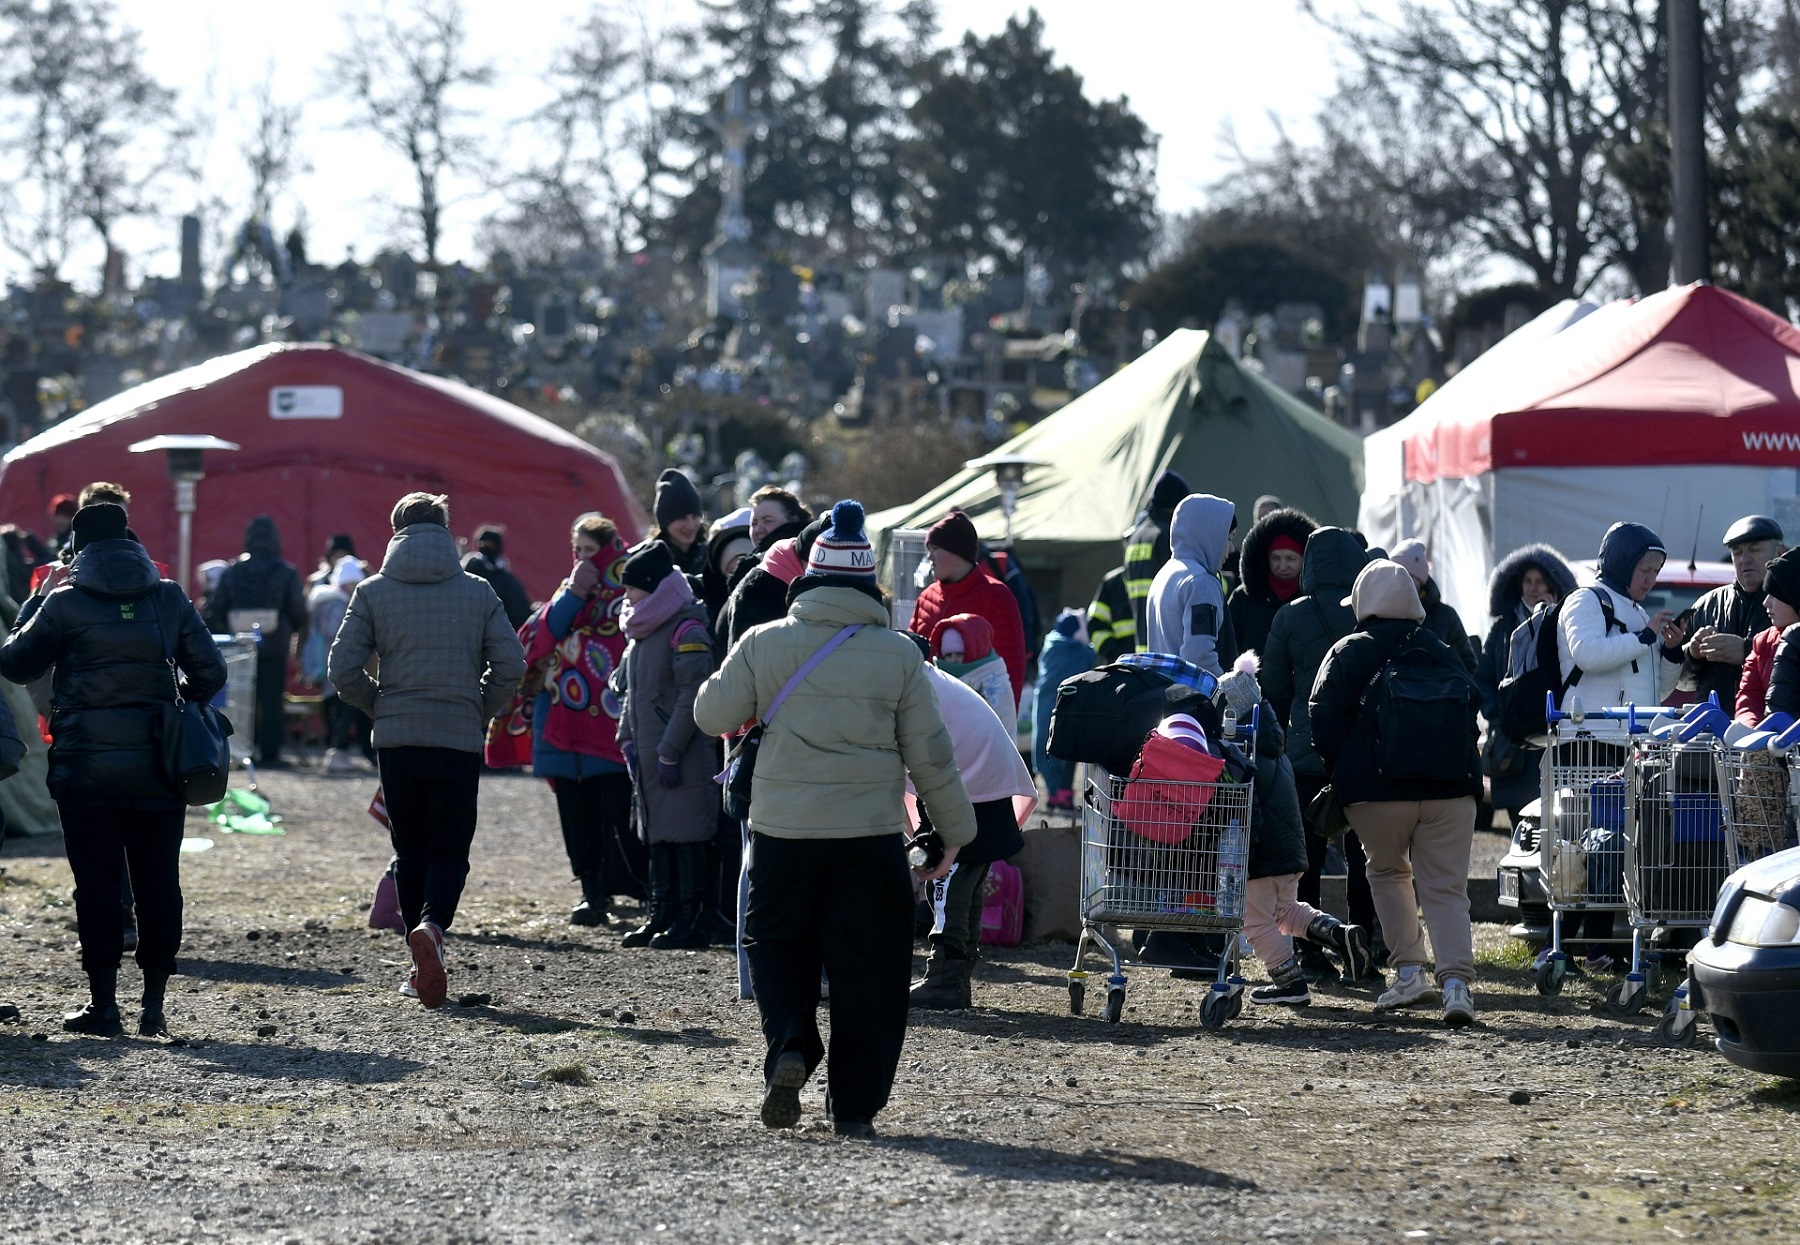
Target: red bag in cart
[{"x": 1163, "y": 798}]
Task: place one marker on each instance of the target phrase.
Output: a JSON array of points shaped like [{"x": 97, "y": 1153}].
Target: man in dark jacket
[
  {"x": 761, "y": 595},
  {"x": 260, "y": 591},
  {"x": 1418, "y": 831},
  {"x": 1147, "y": 548},
  {"x": 110, "y": 631},
  {"x": 1718, "y": 635},
  {"x": 1442, "y": 621},
  {"x": 1269, "y": 574},
  {"x": 1112, "y": 628},
  {"x": 448, "y": 663},
  {"x": 488, "y": 562},
  {"x": 1303, "y": 632}
]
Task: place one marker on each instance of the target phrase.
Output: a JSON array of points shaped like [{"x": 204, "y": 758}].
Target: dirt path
[{"x": 610, "y": 1095}]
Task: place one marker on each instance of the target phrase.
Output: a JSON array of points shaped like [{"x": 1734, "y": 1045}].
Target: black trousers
[
  {"x": 431, "y": 801},
  {"x": 958, "y": 933},
  {"x": 271, "y": 686},
  {"x": 844, "y": 905},
  {"x": 341, "y": 720},
  {"x": 1356, "y": 864},
  {"x": 596, "y": 828},
  {"x": 101, "y": 841}
]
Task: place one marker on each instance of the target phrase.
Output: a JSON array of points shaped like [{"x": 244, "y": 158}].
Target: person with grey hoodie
[
  {"x": 1187, "y": 601},
  {"x": 449, "y": 661}
]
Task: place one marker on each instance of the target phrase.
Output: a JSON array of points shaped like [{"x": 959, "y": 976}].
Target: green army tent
[{"x": 1185, "y": 405}]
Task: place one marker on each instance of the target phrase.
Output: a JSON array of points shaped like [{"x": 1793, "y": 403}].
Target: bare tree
[
  {"x": 89, "y": 130},
  {"x": 271, "y": 150},
  {"x": 407, "y": 77},
  {"x": 574, "y": 198}
]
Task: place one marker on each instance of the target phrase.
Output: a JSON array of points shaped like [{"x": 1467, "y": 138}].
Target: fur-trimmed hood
[
  {"x": 1503, "y": 589},
  {"x": 1253, "y": 562}
]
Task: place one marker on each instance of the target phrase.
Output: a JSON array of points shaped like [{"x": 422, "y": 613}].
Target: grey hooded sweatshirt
[
  {"x": 1187, "y": 601},
  {"x": 448, "y": 659}
]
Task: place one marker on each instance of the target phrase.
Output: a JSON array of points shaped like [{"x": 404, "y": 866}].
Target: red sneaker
[{"x": 427, "y": 946}]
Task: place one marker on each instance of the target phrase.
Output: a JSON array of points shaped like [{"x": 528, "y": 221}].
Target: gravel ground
[{"x": 588, "y": 1093}]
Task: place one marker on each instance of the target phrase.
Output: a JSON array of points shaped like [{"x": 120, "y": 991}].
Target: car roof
[{"x": 1673, "y": 574}]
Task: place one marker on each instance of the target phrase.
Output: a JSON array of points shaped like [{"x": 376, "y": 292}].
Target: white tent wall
[
  {"x": 1571, "y": 507},
  {"x": 1469, "y": 524}
]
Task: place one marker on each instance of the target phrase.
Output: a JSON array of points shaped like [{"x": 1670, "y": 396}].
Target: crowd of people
[{"x": 876, "y": 774}]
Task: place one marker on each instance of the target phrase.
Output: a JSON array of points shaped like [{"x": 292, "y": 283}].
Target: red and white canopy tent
[
  {"x": 330, "y": 439},
  {"x": 1680, "y": 410}
]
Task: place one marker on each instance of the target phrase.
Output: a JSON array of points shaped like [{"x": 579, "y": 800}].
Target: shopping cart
[
  {"x": 1581, "y": 835},
  {"x": 1758, "y": 795},
  {"x": 1676, "y": 856},
  {"x": 1176, "y": 862},
  {"x": 238, "y": 701}
]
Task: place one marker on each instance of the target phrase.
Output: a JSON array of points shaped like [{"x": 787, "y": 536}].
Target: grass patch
[
  {"x": 1510, "y": 953},
  {"x": 568, "y": 1074}
]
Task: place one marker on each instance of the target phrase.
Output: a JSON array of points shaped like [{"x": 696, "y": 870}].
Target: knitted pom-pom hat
[{"x": 843, "y": 548}]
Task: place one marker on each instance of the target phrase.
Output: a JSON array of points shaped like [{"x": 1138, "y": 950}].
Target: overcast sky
[{"x": 1190, "y": 68}]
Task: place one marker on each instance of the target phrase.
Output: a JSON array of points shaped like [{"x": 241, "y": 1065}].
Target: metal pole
[
  {"x": 1687, "y": 142},
  {"x": 184, "y": 510}
]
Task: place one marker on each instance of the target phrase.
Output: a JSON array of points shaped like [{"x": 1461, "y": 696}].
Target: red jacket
[
  {"x": 1753, "y": 684},
  {"x": 978, "y": 593}
]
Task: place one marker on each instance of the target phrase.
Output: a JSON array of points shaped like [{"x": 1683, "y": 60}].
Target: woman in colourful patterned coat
[{"x": 572, "y": 645}]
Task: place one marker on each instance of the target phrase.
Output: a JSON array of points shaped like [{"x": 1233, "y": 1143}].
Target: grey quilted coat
[{"x": 448, "y": 659}]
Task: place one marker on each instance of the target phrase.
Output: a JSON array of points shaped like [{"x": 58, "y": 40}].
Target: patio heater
[
  {"x": 185, "y": 469},
  {"x": 1009, "y": 474}
]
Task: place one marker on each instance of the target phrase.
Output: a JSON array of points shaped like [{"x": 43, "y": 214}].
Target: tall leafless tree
[
  {"x": 88, "y": 130},
  {"x": 408, "y": 77}
]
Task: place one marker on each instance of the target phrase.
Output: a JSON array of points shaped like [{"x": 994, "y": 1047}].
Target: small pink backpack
[{"x": 1003, "y": 907}]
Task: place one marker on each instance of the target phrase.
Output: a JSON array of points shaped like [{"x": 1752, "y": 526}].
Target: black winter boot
[
  {"x": 662, "y": 897},
  {"x": 1350, "y": 942},
  {"x": 689, "y": 930},
  {"x": 595, "y": 906},
  {"x": 945, "y": 986},
  {"x": 1287, "y": 985},
  {"x": 151, "y": 1022},
  {"x": 99, "y": 1017}
]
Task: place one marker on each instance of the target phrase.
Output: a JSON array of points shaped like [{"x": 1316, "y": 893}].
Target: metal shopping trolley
[
  {"x": 1162, "y": 855},
  {"x": 1757, "y": 796},
  {"x": 238, "y": 701},
  {"x": 1676, "y": 856},
  {"x": 1581, "y": 839}
]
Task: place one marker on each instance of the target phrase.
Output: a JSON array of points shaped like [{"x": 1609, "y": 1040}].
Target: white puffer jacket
[{"x": 1617, "y": 667}]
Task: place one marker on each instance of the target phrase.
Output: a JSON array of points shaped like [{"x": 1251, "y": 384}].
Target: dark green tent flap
[{"x": 1185, "y": 405}]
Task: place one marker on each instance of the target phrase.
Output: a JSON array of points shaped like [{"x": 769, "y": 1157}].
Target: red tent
[
  {"x": 330, "y": 440},
  {"x": 1680, "y": 410}
]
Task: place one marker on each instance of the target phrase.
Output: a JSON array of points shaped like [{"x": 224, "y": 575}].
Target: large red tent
[
  {"x": 330, "y": 440},
  {"x": 1680, "y": 410}
]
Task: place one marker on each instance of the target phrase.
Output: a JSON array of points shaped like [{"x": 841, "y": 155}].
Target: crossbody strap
[
  {"x": 168, "y": 648},
  {"x": 807, "y": 668}
]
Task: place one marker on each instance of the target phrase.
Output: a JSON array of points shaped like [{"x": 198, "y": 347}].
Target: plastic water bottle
[{"x": 1233, "y": 858}]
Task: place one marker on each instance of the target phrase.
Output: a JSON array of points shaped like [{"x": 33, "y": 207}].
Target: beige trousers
[
  {"x": 1421, "y": 845},
  {"x": 1274, "y": 917}
]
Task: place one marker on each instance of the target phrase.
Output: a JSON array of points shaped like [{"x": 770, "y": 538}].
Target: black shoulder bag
[{"x": 195, "y": 738}]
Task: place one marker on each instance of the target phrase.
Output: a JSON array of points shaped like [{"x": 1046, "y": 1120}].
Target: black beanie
[
  {"x": 101, "y": 521},
  {"x": 648, "y": 567},
  {"x": 1168, "y": 492},
  {"x": 1781, "y": 579},
  {"x": 676, "y": 497}
]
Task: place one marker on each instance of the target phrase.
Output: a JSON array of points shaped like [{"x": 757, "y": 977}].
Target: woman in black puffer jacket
[{"x": 111, "y": 631}]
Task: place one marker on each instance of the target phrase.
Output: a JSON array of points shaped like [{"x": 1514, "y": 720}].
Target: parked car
[{"x": 1745, "y": 974}]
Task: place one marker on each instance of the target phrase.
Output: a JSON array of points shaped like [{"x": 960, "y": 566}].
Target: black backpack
[
  {"x": 1534, "y": 670},
  {"x": 1102, "y": 716},
  {"x": 1420, "y": 700}
]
